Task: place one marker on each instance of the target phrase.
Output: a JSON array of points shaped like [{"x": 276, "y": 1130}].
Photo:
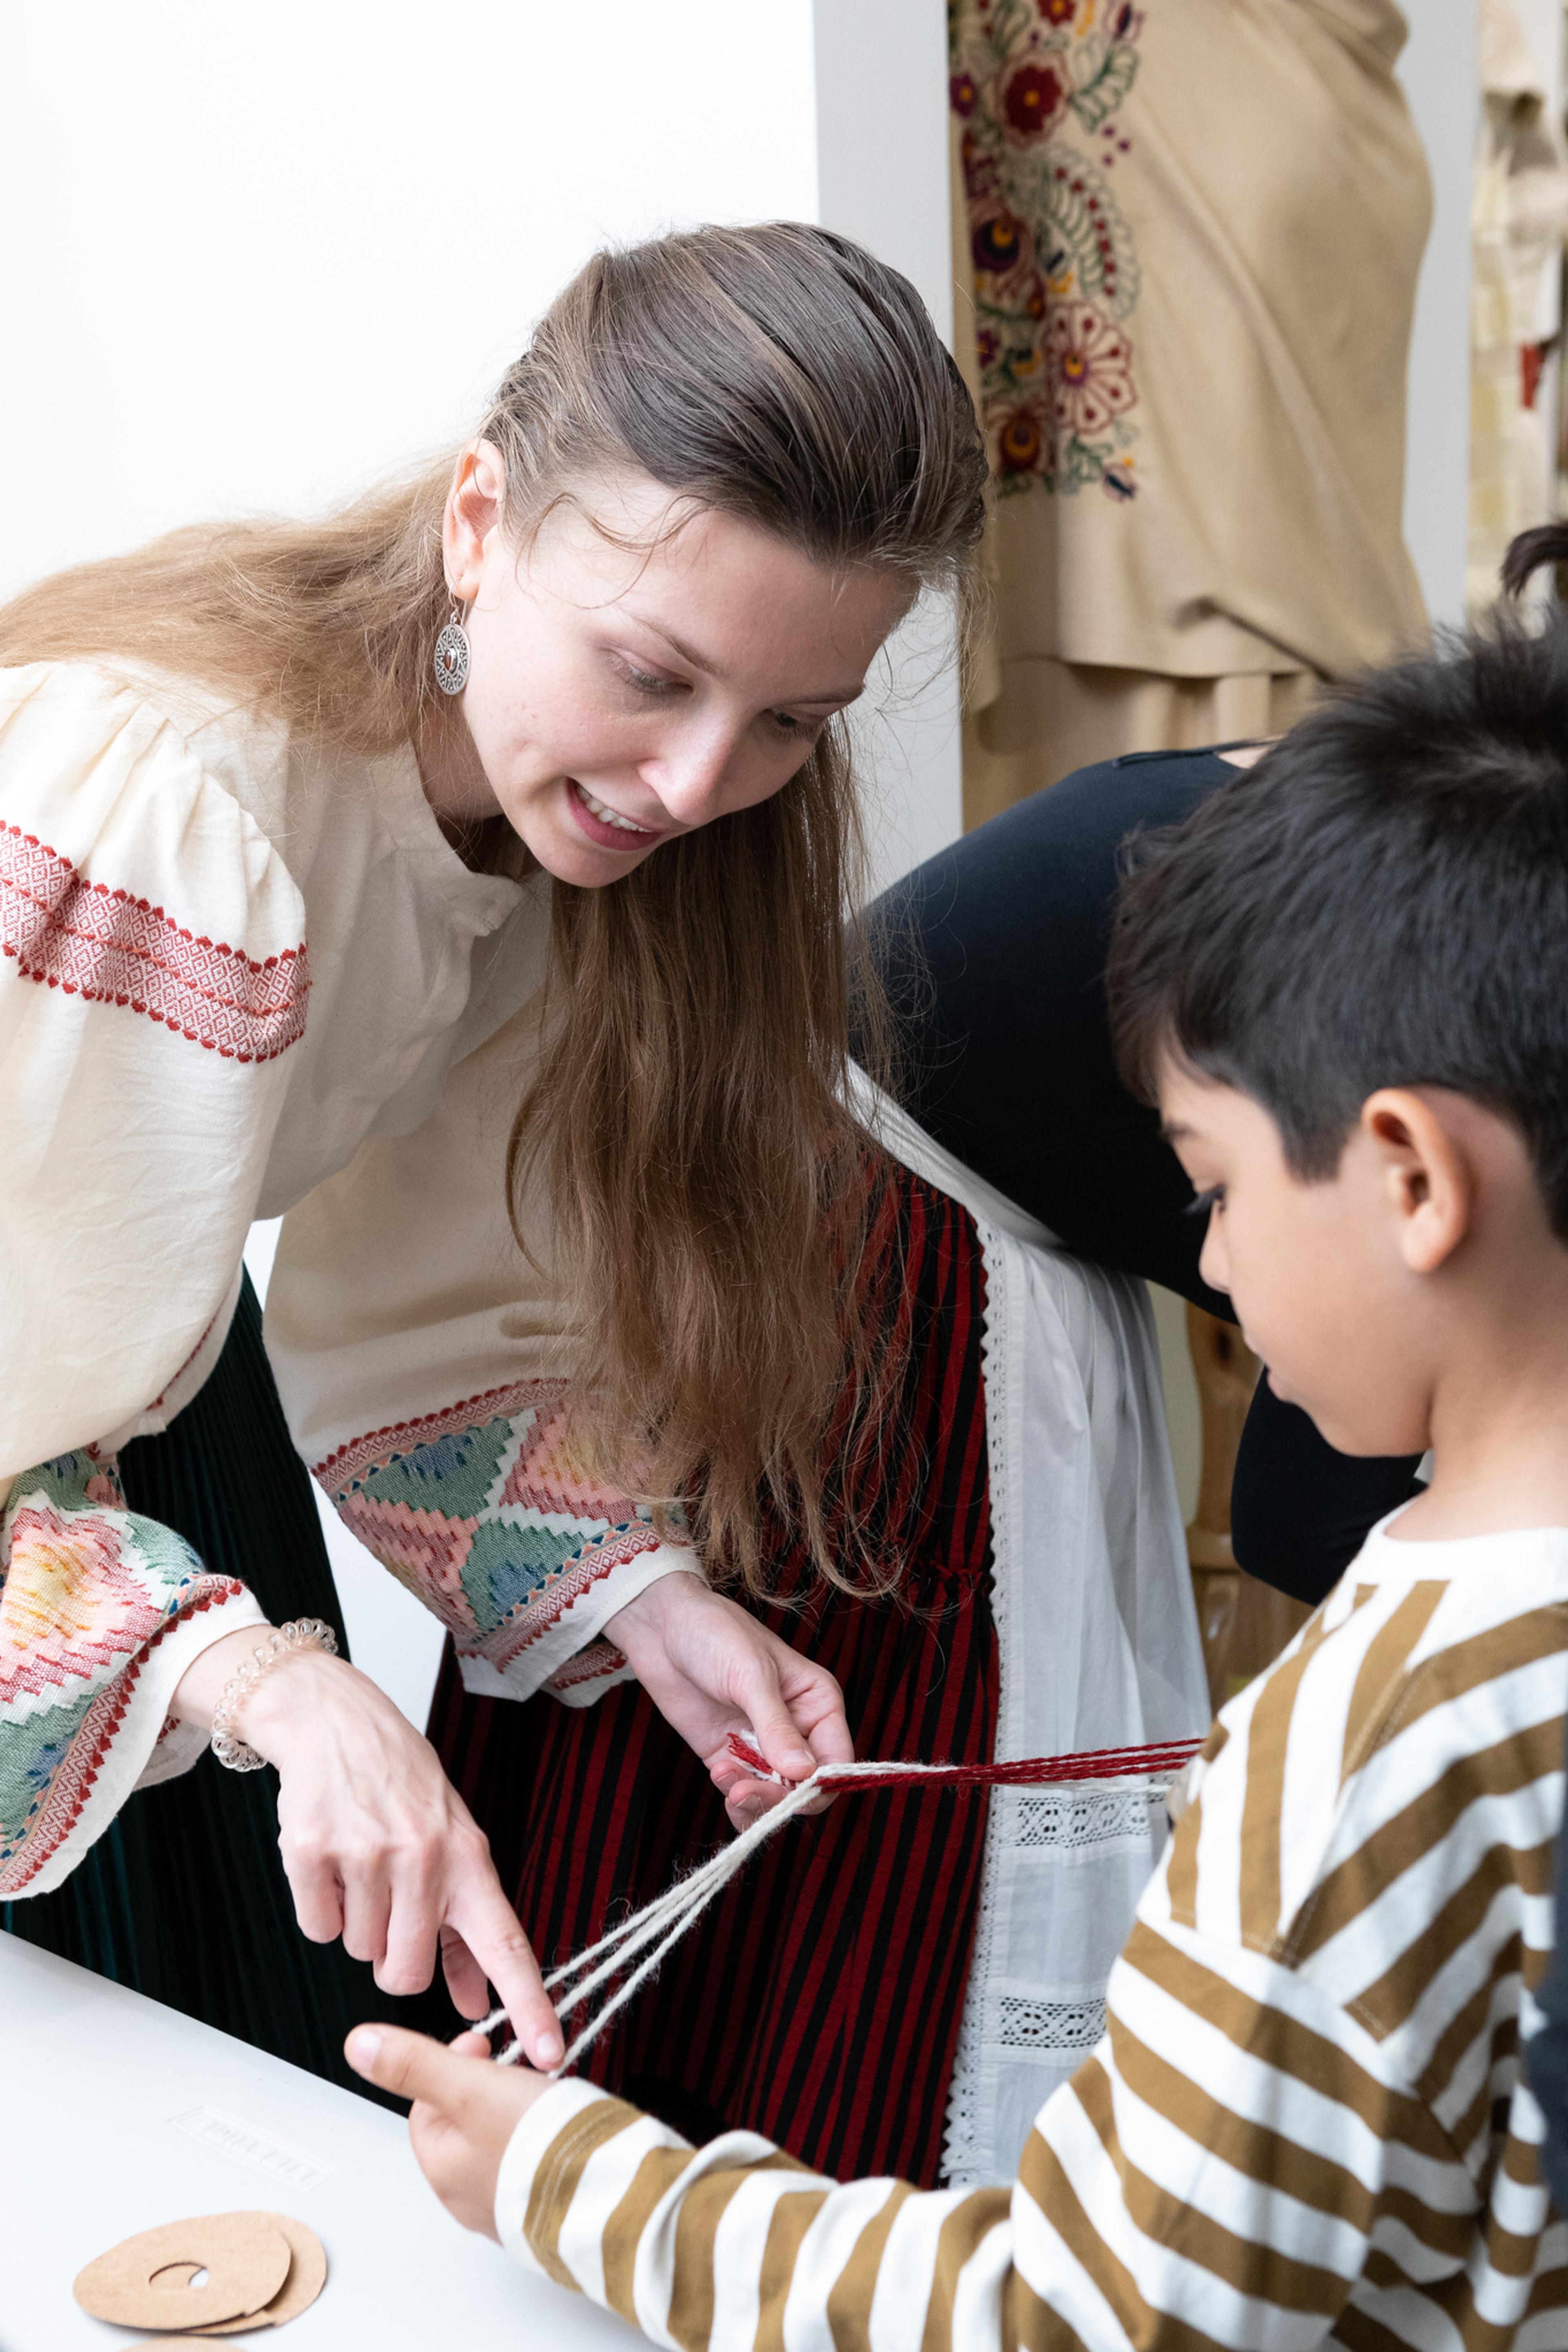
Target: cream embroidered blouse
[{"x": 236, "y": 972}]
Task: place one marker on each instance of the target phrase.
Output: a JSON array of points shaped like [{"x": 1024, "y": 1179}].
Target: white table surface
[{"x": 92, "y": 2083}]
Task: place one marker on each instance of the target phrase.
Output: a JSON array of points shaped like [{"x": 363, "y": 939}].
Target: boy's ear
[{"x": 1428, "y": 1180}]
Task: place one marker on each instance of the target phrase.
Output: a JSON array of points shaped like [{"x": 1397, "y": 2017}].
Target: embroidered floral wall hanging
[{"x": 1039, "y": 86}]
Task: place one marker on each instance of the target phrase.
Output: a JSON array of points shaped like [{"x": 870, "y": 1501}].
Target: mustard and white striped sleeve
[
  {"x": 1142, "y": 2213},
  {"x": 738, "y": 2244}
]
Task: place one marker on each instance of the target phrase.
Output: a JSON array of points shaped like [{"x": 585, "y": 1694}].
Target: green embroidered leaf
[
  {"x": 1081, "y": 464},
  {"x": 1011, "y": 21},
  {"x": 1100, "y": 99},
  {"x": 1086, "y": 230}
]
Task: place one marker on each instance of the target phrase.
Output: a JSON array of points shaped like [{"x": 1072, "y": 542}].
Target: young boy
[{"x": 1346, "y": 980}]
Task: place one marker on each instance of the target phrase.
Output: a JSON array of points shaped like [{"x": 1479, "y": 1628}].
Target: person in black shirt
[{"x": 994, "y": 956}]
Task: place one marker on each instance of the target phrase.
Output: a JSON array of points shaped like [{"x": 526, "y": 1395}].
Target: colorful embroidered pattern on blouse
[
  {"x": 86, "y": 1590},
  {"x": 1039, "y": 86},
  {"x": 88, "y": 940},
  {"x": 479, "y": 1511}
]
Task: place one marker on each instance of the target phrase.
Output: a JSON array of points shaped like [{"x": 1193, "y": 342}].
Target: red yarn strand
[{"x": 1027, "y": 1771}]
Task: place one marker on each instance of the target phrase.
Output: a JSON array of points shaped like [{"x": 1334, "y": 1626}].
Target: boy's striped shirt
[{"x": 1306, "y": 2120}]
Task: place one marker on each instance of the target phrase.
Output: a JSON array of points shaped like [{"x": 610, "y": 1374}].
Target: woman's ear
[
  {"x": 472, "y": 511},
  {"x": 1428, "y": 1180}
]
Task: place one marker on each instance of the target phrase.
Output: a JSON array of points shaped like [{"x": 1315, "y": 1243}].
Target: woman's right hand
[{"x": 378, "y": 1845}]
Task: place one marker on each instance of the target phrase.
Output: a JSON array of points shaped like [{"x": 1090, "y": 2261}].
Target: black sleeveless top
[{"x": 994, "y": 953}]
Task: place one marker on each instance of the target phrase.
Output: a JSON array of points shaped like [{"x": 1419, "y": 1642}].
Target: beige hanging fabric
[{"x": 1191, "y": 233}]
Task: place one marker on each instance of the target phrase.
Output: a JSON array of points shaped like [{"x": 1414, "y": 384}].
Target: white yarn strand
[
  {"x": 666, "y": 1920},
  {"x": 667, "y": 1916}
]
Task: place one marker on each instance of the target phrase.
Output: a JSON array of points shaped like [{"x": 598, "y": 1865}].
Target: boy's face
[{"x": 1313, "y": 1269}]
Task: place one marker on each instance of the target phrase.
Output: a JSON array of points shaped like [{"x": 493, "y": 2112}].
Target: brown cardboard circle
[
  {"x": 306, "y": 2277},
  {"x": 246, "y": 2255}
]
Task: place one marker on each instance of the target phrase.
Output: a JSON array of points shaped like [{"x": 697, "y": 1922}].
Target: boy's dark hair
[{"x": 1382, "y": 902}]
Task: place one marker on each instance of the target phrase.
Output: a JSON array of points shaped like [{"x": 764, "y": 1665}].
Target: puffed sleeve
[
  {"x": 423, "y": 1362},
  {"x": 154, "y": 978}
]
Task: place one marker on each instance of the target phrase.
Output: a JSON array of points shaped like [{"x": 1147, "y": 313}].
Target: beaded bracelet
[{"x": 284, "y": 1641}]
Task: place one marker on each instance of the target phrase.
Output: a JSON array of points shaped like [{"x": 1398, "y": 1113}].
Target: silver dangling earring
[{"x": 452, "y": 654}]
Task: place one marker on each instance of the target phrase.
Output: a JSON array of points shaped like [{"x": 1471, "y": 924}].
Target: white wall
[
  {"x": 260, "y": 254},
  {"x": 881, "y": 166}
]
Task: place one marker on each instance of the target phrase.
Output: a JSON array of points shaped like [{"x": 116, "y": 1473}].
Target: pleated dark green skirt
[{"x": 184, "y": 1897}]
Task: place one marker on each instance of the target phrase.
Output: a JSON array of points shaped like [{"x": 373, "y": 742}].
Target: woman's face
[{"x": 617, "y": 698}]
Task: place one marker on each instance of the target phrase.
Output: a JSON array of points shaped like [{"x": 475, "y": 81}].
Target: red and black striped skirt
[{"x": 818, "y": 2000}]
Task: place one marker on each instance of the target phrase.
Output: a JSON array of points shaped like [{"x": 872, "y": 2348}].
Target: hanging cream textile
[
  {"x": 1192, "y": 232},
  {"x": 1059, "y": 716}
]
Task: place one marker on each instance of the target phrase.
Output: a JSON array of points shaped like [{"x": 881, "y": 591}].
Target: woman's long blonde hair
[{"x": 710, "y": 1190}]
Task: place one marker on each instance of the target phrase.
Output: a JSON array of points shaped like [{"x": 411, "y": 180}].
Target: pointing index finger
[{"x": 489, "y": 1927}]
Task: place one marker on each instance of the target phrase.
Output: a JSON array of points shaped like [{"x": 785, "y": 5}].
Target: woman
[{"x": 273, "y": 870}]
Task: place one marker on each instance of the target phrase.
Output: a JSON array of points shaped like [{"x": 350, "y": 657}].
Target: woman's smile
[{"x": 605, "y": 825}]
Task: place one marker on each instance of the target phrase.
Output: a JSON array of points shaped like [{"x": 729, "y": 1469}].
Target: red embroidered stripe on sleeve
[
  {"x": 339, "y": 1470},
  {"x": 68, "y": 933}
]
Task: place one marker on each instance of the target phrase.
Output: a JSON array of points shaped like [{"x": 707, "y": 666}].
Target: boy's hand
[
  {"x": 711, "y": 1669},
  {"x": 466, "y": 2110}
]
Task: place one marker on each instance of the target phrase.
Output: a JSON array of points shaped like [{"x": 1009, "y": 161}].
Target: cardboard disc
[
  {"x": 245, "y": 2256},
  {"x": 306, "y": 2277}
]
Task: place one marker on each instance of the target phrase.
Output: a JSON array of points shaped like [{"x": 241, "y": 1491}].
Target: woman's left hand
[{"x": 711, "y": 1669}]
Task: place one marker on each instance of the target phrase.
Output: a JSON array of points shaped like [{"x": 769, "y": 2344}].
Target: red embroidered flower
[
  {"x": 1022, "y": 443},
  {"x": 1089, "y": 367},
  {"x": 1059, "y": 12},
  {"x": 1000, "y": 243},
  {"x": 986, "y": 343},
  {"x": 1034, "y": 101},
  {"x": 963, "y": 94}
]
